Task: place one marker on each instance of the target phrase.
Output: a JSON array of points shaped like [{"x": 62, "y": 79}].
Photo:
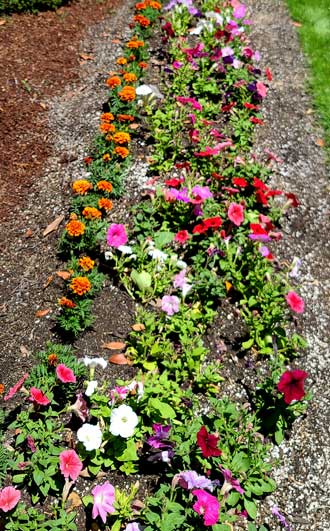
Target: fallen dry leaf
[
  {"x": 86, "y": 57},
  {"x": 24, "y": 351},
  {"x": 2, "y": 21},
  {"x": 319, "y": 142},
  {"x": 74, "y": 500},
  {"x": 54, "y": 225},
  {"x": 114, "y": 345},
  {"x": 28, "y": 233},
  {"x": 43, "y": 106},
  {"x": 84, "y": 473},
  {"x": 138, "y": 327},
  {"x": 63, "y": 274},
  {"x": 48, "y": 281},
  {"x": 119, "y": 359},
  {"x": 296, "y": 24},
  {"x": 134, "y": 126},
  {"x": 42, "y": 313}
]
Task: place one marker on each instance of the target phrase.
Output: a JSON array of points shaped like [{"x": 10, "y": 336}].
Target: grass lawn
[{"x": 314, "y": 17}]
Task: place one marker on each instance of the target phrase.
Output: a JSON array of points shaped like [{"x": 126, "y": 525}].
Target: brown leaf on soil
[
  {"x": 2, "y": 21},
  {"x": 86, "y": 57},
  {"x": 319, "y": 142},
  {"x": 296, "y": 24},
  {"x": 48, "y": 281},
  {"x": 63, "y": 274},
  {"x": 114, "y": 345},
  {"x": 84, "y": 473},
  {"x": 119, "y": 359},
  {"x": 42, "y": 313},
  {"x": 28, "y": 233},
  {"x": 54, "y": 225},
  {"x": 74, "y": 500},
  {"x": 138, "y": 327},
  {"x": 134, "y": 126},
  {"x": 24, "y": 351}
]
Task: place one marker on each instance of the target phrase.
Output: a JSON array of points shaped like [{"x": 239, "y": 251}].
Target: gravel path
[{"x": 290, "y": 132}]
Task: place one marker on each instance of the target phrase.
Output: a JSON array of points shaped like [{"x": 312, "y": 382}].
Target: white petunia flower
[
  {"x": 90, "y": 435},
  {"x": 125, "y": 249},
  {"x": 123, "y": 421},
  {"x": 94, "y": 362},
  {"x": 91, "y": 387},
  {"x": 157, "y": 254}
]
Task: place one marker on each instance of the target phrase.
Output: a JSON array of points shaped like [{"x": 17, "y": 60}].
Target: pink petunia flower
[
  {"x": 13, "y": 390},
  {"x": 70, "y": 464},
  {"x": 170, "y": 304},
  {"x": 230, "y": 482},
  {"x": 291, "y": 384},
  {"x": 9, "y": 498},
  {"x": 116, "y": 235},
  {"x": 261, "y": 89},
  {"x": 104, "y": 497},
  {"x": 65, "y": 374},
  {"x": 295, "y": 302},
  {"x": 38, "y": 397},
  {"x": 181, "y": 237},
  {"x": 236, "y": 213},
  {"x": 206, "y": 505}
]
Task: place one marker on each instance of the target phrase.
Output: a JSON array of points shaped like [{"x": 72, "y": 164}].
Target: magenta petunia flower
[
  {"x": 65, "y": 374},
  {"x": 104, "y": 497},
  {"x": 236, "y": 213},
  {"x": 230, "y": 482},
  {"x": 206, "y": 505},
  {"x": 116, "y": 235},
  {"x": 170, "y": 304},
  {"x": 291, "y": 384},
  {"x": 295, "y": 302},
  {"x": 70, "y": 464},
  {"x": 38, "y": 397},
  {"x": 9, "y": 498}
]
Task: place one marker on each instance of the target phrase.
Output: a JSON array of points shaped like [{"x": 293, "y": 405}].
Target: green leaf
[
  {"x": 129, "y": 453},
  {"x": 279, "y": 436},
  {"x": 164, "y": 409},
  {"x": 251, "y": 508},
  {"x": 116, "y": 526},
  {"x": 87, "y": 500},
  {"x": 163, "y": 238},
  {"x": 172, "y": 521},
  {"x": 38, "y": 476},
  {"x": 248, "y": 344},
  {"x": 142, "y": 280}
]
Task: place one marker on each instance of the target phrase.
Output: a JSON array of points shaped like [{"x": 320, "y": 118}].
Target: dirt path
[{"x": 60, "y": 116}]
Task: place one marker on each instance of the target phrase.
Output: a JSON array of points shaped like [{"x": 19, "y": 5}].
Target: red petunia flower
[
  {"x": 208, "y": 443},
  {"x": 291, "y": 384},
  {"x": 174, "y": 183},
  {"x": 182, "y": 236},
  {"x": 240, "y": 181},
  {"x": 38, "y": 397}
]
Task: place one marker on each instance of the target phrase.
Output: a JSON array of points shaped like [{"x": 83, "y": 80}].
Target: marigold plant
[
  {"x": 106, "y": 157},
  {"x": 81, "y": 186},
  {"x": 121, "y": 152},
  {"x": 107, "y": 128},
  {"x": 121, "y": 138},
  {"x": 107, "y": 117},
  {"x": 105, "y": 186},
  {"x": 52, "y": 359},
  {"x": 135, "y": 44},
  {"x": 129, "y": 77},
  {"x": 86, "y": 263},
  {"x": 75, "y": 228},
  {"x": 142, "y": 20},
  {"x": 121, "y": 61},
  {"x": 127, "y": 93},
  {"x": 91, "y": 213},
  {"x": 105, "y": 203},
  {"x": 143, "y": 64},
  {"x": 113, "y": 81},
  {"x": 125, "y": 118},
  {"x": 67, "y": 303},
  {"x": 80, "y": 285}
]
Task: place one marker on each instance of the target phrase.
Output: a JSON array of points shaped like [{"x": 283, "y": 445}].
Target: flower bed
[{"x": 198, "y": 238}]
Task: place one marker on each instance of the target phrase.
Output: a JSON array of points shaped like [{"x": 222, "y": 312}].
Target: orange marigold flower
[
  {"x": 68, "y": 303},
  {"x": 134, "y": 43},
  {"x": 125, "y": 118},
  {"x": 75, "y": 227},
  {"x": 140, "y": 6},
  {"x": 113, "y": 81},
  {"x": 105, "y": 203},
  {"x": 132, "y": 57},
  {"x": 142, "y": 20},
  {"x": 129, "y": 77},
  {"x": 127, "y": 93},
  {"x": 107, "y": 128},
  {"x": 121, "y": 61},
  {"x": 2, "y": 389},
  {"x": 53, "y": 358},
  {"x": 107, "y": 117},
  {"x": 106, "y": 157},
  {"x": 143, "y": 64},
  {"x": 81, "y": 186},
  {"x": 122, "y": 138},
  {"x": 80, "y": 285},
  {"x": 121, "y": 152},
  {"x": 105, "y": 186},
  {"x": 91, "y": 213},
  {"x": 86, "y": 263},
  {"x": 155, "y": 5},
  {"x": 88, "y": 160}
]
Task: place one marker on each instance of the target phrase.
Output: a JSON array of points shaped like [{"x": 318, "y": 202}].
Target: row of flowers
[{"x": 199, "y": 237}]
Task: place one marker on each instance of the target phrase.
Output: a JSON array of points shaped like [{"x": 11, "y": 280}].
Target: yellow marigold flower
[
  {"x": 105, "y": 203},
  {"x": 107, "y": 128},
  {"x": 91, "y": 213},
  {"x": 68, "y": 303},
  {"x": 129, "y": 77},
  {"x": 75, "y": 227},
  {"x": 125, "y": 118},
  {"x": 80, "y": 285},
  {"x": 121, "y": 138},
  {"x": 113, "y": 81},
  {"x": 121, "y": 61},
  {"x": 107, "y": 117},
  {"x": 105, "y": 186},
  {"x": 127, "y": 93},
  {"x": 106, "y": 157},
  {"x": 81, "y": 186},
  {"x": 86, "y": 263},
  {"x": 121, "y": 151},
  {"x": 53, "y": 358}
]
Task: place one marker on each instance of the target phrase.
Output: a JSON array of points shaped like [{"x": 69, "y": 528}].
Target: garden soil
[{"x": 53, "y": 68}]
